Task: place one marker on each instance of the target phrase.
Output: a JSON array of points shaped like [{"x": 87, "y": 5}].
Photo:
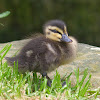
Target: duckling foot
[
  {"x": 48, "y": 79},
  {"x": 49, "y": 83},
  {"x": 63, "y": 84}
]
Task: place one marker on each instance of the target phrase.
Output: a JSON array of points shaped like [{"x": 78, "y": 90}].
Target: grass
[{"x": 30, "y": 86}]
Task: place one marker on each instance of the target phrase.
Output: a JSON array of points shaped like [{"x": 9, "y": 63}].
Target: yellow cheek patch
[
  {"x": 54, "y": 36},
  {"x": 57, "y": 35}
]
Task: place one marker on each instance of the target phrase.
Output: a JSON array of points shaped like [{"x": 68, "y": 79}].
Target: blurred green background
[{"x": 28, "y": 16}]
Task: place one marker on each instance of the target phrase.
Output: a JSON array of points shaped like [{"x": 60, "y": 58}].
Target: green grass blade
[
  {"x": 83, "y": 78},
  {"x": 77, "y": 76},
  {"x": 56, "y": 82},
  {"x": 43, "y": 85},
  {"x": 5, "y": 48},
  {"x": 85, "y": 88},
  {"x": 6, "y": 51},
  {"x": 97, "y": 92}
]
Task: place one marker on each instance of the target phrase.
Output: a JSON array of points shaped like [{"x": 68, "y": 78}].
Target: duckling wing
[
  {"x": 50, "y": 57},
  {"x": 46, "y": 60},
  {"x": 49, "y": 60}
]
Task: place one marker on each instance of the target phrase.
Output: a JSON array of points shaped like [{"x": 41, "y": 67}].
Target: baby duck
[{"x": 45, "y": 53}]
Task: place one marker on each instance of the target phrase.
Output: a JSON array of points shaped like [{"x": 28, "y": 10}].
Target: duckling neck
[{"x": 65, "y": 52}]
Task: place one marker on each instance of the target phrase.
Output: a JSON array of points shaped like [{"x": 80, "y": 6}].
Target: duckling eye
[{"x": 55, "y": 31}]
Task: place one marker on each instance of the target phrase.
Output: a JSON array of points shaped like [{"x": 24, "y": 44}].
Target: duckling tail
[
  {"x": 10, "y": 60},
  {"x": 22, "y": 66}
]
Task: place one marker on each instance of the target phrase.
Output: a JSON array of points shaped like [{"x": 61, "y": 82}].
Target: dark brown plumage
[{"x": 43, "y": 54}]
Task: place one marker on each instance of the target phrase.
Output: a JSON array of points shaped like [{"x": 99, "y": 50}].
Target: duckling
[{"x": 45, "y": 53}]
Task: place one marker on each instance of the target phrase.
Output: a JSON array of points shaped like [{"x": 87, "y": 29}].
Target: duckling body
[{"x": 45, "y": 53}]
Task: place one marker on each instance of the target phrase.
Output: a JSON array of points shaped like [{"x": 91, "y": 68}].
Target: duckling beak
[{"x": 65, "y": 38}]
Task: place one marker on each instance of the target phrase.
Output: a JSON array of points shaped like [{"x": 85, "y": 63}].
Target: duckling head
[{"x": 57, "y": 31}]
